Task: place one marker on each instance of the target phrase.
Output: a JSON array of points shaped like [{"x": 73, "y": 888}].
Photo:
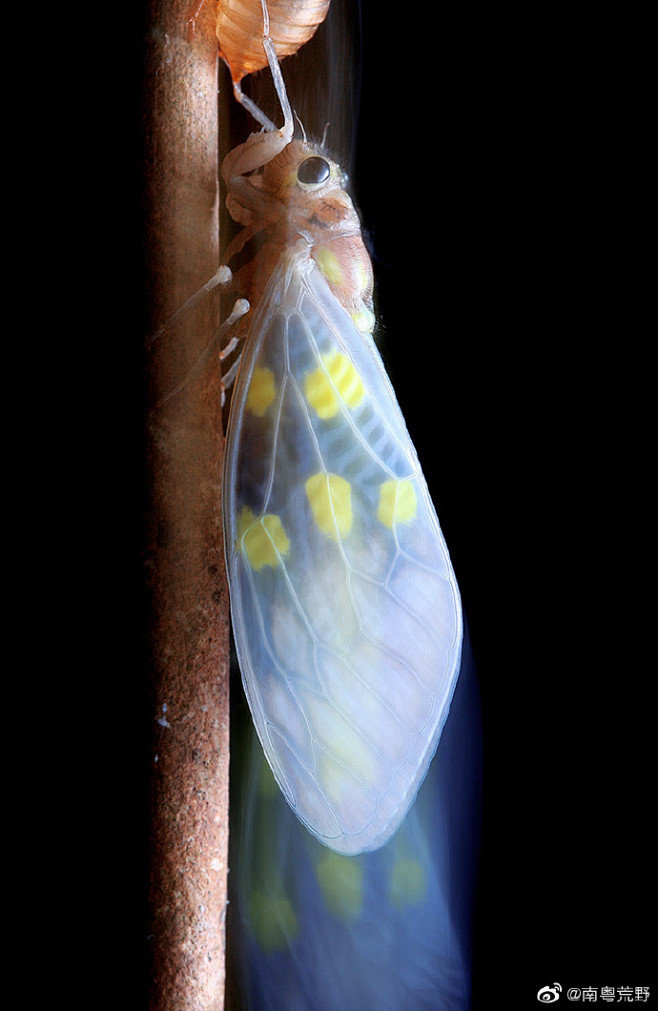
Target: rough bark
[{"x": 189, "y": 631}]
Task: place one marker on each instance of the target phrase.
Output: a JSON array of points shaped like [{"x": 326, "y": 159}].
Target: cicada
[{"x": 345, "y": 608}]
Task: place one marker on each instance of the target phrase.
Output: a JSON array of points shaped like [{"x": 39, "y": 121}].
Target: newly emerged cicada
[{"x": 345, "y": 608}]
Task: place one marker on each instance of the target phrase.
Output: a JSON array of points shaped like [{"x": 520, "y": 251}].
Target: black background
[{"x": 497, "y": 166}]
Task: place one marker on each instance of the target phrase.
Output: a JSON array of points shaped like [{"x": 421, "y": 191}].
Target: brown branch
[{"x": 190, "y": 622}]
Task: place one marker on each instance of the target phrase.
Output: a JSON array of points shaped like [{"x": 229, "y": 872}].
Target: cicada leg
[
  {"x": 222, "y": 276},
  {"x": 251, "y": 107},
  {"x": 228, "y": 377},
  {"x": 240, "y": 307},
  {"x": 259, "y": 148}
]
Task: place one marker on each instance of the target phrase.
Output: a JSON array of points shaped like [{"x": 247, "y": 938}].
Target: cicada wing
[
  {"x": 389, "y": 929},
  {"x": 346, "y": 612}
]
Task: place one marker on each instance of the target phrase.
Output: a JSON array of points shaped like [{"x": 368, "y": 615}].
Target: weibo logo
[{"x": 549, "y": 994}]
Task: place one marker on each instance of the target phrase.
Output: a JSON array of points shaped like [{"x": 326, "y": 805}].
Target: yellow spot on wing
[
  {"x": 262, "y": 391},
  {"x": 341, "y": 883},
  {"x": 330, "y": 499},
  {"x": 408, "y": 884},
  {"x": 273, "y": 919},
  {"x": 262, "y": 539},
  {"x": 335, "y": 380},
  {"x": 397, "y": 503}
]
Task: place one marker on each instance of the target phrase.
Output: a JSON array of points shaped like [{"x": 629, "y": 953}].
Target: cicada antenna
[{"x": 301, "y": 127}]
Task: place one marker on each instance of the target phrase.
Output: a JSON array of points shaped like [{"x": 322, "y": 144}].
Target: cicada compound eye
[{"x": 313, "y": 171}]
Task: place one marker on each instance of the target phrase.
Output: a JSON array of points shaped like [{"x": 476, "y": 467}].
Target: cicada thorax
[{"x": 299, "y": 200}]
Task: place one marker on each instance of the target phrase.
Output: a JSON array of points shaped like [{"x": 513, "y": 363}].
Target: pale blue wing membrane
[
  {"x": 385, "y": 930},
  {"x": 349, "y": 645}
]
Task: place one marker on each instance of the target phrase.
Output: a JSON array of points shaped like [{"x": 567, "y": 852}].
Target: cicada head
[{"x": 310, "y": 188}]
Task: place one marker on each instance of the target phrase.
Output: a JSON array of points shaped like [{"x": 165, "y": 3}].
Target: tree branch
[{"x": 190, "y": 623}]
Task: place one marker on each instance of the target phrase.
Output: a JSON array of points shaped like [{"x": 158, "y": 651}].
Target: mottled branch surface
[{"x": 189, "y": 630}]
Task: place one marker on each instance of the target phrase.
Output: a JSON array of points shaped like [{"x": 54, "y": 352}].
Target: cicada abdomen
[
  {"x": 345, "y": 607},
  {"x": 240, "y": 30}
]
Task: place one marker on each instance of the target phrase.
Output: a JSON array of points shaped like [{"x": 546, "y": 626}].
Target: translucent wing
[
  {"x": 346, "y": 613},
  {"x": 388, "y": 930}
]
